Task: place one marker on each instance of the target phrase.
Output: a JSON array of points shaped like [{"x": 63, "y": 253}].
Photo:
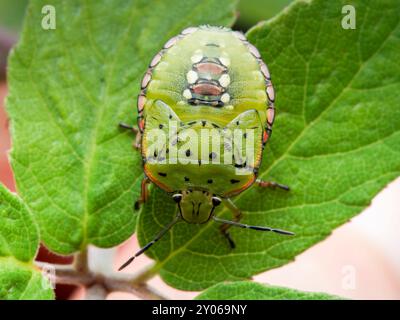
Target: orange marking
[
  {"x": 265, "y": 136},
  {"x": 242, "y": 188},
  {"x": 141, "y": 124},
  {"x": 155, "y": 180}
]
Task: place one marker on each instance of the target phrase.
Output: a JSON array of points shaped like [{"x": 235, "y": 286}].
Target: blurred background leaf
[{"x": 12, "y": 14}]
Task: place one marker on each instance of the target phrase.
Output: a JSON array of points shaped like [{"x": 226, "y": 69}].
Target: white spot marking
[
  {"x": 225, "y": 98},
  {"x": 187, "y": 94},
  {"x": 192, "y": 76},
  {"x": 225, "y": 80}
]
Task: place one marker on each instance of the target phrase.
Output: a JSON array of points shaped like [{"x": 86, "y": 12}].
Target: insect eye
[
  {"x": 216, "y": 201},
  {"x": 177, "y": 197}
]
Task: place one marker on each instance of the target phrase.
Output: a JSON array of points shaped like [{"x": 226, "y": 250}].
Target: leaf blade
[
  {"x": 333, "y": 144},
  {"x": 19, "y": 242},
  {"x": 19, "y": 235},
  {"x": 20, "y": 281}
]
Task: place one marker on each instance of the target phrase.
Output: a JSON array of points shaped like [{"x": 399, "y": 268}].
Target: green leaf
[
  {"x": 69, "y": 89},
  {"x": 19, "y": 242},
  {"x": 336, "y": 143},
  {"x": 20, "y": 281},
  {"x": 246, "y": 290},
  {"x": 19, "y": 235}
]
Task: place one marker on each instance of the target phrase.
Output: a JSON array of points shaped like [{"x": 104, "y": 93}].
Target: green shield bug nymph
[{"x": 206, "y": 110}]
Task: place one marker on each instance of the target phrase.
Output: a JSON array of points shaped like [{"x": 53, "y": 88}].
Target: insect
[{"x": 205, "y": 82}]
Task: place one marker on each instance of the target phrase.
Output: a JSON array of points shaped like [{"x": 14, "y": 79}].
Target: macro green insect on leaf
[
  {"x": 202, "y": 126},
  {"x": 336, "y": 137},
  {"x": 335, "y": 143}
]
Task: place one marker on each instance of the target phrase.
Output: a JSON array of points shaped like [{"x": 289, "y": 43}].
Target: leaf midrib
[{"x": 93, "y": 144}]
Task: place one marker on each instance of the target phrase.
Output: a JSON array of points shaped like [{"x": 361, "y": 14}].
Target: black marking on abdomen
[
  {"x": 243, "y": 165},
  {"x": 213, "y": 103}
]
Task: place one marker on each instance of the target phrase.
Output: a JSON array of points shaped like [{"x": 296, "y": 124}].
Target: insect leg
[
  {"x": 128, "y": 127},
  {"x": 136, "y": 143},
  {"x": 138, "y": 139},
  {"x": 144, "y": 193},
  {"x": 271, "y": 184},
  {"x": 237, "y": 215}
]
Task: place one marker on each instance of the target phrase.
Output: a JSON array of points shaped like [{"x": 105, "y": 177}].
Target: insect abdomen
[{"x": 206, "y": 75}]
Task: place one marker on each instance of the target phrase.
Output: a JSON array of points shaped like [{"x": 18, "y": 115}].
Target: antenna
[
  {"x": 259, "y": 228},
  {"x": 147, "y": 246}
]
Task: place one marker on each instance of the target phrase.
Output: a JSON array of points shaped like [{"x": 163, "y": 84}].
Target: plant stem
[
  {"x": 67, "y": 274},
  {"x": 99, "y": 285},
  {"x": 81, "y": 261}
]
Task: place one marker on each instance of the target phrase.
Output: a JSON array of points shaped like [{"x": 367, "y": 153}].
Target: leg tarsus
[
  {"x": 137, "y": 204},
  {"x": 271, "y": 184}
]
